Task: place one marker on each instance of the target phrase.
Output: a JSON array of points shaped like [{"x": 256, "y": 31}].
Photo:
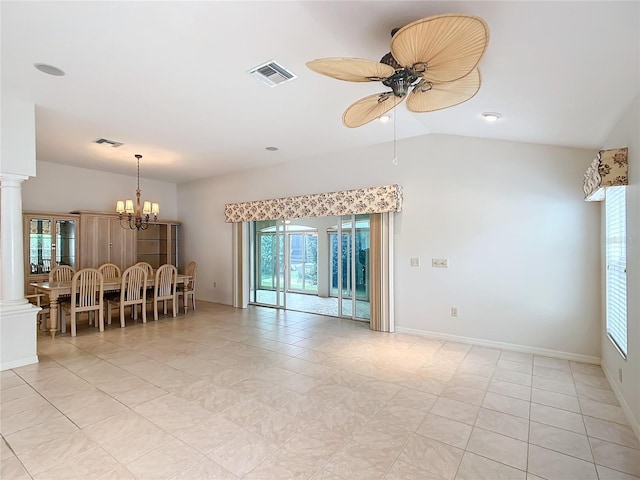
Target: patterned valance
[
  {"x": 347, "y": 202},
  {"x": 608, "y": 169}
]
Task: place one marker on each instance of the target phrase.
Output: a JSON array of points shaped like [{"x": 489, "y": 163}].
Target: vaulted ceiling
[{"x": 170, "y": 79}]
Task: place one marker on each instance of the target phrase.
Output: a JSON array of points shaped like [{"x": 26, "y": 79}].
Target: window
[{"x": 616, "y": 258}]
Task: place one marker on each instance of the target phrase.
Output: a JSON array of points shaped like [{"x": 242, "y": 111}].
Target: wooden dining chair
[
  {"x": 164, "y": 288},
  {"x": 133, "y": 292},
  {"x": 40, "y": 300},
  {"x": 110, "y": 270},
  {"x": 147, "y": 267},
  {"x": 87, "y": 295},
  {"x": 62, "y": 273},
  {"x": 189, "y": 287}
]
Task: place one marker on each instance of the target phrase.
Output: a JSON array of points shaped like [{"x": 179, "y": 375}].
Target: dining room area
[{"x": 91, "y": 270}]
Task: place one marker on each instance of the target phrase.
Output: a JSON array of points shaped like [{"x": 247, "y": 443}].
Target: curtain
[
  {"x": 386, "y": 198},
  {"x": 382, "y": 305},
  {"x": 240, "y": 253}
]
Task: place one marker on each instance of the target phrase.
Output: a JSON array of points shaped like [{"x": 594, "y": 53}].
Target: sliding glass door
[
  {"x": 303, "y": 260},
  {"x": 349, "y": 265},
  {"x": 316, "y": 265},
  {"x": 268, "y": 263}
]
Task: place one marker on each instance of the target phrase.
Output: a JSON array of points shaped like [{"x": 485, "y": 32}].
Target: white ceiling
[{"x": 169, "y": 79}]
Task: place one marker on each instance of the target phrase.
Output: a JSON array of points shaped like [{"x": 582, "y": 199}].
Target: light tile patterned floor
[
  {"x": 268, "y": 395},
  {"x": 309, "y": 303}
]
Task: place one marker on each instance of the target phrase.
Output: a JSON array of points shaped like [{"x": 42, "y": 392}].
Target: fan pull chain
[{"x": 395, "y": 156}]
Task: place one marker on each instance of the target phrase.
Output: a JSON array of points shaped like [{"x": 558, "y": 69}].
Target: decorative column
[
  {"x": 18, "y": 326},
  {"x": 12, "y": 284}
]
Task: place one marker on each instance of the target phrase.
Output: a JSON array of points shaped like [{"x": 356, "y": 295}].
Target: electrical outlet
[
  {"x": 440, "y": 262},
  {"x": 454, "y": 311},
  {"x": 415, "y": 262}
]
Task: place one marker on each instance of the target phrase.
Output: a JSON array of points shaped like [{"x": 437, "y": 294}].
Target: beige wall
[
  {"x": 61, "y": 188},
  {"x": 523, "y": 247}
]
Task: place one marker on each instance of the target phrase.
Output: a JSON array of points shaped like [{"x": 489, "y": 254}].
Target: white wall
[
  {"x": 62, "y": 188},
  {"x": 18, "y": 133},
  {"x": 523, "y": 247},
  {"x": 625, "y": 134}
]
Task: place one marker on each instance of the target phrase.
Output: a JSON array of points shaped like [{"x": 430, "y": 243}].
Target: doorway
[{"x": 317, "y": 265}]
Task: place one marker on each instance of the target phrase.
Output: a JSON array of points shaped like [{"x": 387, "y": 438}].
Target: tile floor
[
  {"x": 260, "y": 394},
  {"x": 314, "y": 304}
]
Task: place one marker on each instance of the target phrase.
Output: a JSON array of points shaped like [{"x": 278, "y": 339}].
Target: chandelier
[{"x": 138, "y": 218}]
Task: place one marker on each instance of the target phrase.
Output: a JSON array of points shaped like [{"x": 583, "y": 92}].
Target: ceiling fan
[{"x": 435, "y": 57}]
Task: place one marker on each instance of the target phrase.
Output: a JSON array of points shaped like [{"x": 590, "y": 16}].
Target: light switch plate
[{"x": 415, "y": 262}]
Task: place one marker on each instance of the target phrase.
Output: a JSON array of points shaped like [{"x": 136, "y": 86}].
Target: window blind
[{"x": 616, "y": 257}]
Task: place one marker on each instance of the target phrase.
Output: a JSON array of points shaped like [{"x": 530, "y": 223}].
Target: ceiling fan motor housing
[
  {"x": 400, "y": 82},
  {"x": 388, "y": 59}
]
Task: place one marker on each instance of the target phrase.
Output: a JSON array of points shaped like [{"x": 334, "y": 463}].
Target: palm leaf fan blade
[
  {"x": 369, "y": 108},
  {"x": 450, "y": 45},
  {"x": 430, "y": 97},
  {"x": 351, "y": 69}
]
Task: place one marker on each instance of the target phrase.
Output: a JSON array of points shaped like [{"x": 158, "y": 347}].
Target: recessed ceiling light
[
  {"x": 385, "y": 118},
  {"x": 491, "y": 116},
  {"x": 271, "y": 149},
  {"x": 49, "y": 69}
]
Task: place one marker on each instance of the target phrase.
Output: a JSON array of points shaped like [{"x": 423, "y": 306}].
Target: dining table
[{"x": 56, "y": 290}]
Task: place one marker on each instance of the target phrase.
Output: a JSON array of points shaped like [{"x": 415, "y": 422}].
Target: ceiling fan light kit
[{"x": 433, "y": 63}]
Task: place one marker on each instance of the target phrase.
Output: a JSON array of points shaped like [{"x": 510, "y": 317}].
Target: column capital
[{"x": 12, "y": 178}]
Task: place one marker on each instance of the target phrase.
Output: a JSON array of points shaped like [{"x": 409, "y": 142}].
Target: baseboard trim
[
  {"x": 576, "y": 357},
  {"x": 633, "y": 421},
  {"x": 19, "y": 363}
]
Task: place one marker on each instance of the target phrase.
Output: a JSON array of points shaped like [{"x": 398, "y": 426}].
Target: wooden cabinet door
[
  {"x": 123, "y": 244},
  {"x": 95, "y": 241}
]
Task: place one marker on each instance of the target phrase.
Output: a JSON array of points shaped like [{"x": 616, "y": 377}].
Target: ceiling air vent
[
  {"x": 272, "y": 73},
  {"x": 109, "y": 143}
]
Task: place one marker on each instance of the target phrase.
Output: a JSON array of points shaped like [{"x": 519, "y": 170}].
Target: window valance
[
  {"x": 382, "y": 199},
  {"x": 608, "y": 169}
]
